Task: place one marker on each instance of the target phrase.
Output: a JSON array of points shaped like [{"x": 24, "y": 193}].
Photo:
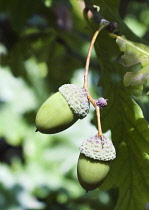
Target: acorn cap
[
  {"x": 77, "y": 99},
  {"x": 100, "y": 148}
]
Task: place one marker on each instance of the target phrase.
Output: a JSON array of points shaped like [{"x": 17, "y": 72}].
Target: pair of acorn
[{"x": 62, "y": 110}]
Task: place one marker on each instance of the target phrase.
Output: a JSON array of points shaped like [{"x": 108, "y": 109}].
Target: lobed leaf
[
  {"x": 134, "y": 53},
  {"x": 137, "y": 78},
  {"x": 130, "y": 132}
]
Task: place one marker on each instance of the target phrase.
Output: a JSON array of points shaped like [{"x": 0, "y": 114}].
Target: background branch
[
  {"x": 96, "y": 15},
  {"x": 98, "y": 18}
]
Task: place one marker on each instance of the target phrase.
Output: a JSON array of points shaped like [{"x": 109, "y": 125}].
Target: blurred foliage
[{"x": 43, "y": 44}]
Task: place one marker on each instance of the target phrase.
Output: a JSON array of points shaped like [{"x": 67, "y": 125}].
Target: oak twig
[{"x": 86, "y": 77}]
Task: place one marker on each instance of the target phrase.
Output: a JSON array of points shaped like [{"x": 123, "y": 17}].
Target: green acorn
[
  {"x": 94, "y": 161},
  {"x": 62, "y": 109}
]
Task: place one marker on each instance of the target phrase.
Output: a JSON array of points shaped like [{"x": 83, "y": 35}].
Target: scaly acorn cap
[
  {"x": 94, "y": 161},
  {"x": 100, "y": 148},
  {"x": 77, "y": 99},
  {"x": 62, "y": 109}
]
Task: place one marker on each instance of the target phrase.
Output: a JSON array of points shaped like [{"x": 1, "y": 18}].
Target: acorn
[
  {"x": 96, "y": 154},
  {"x": 62, "y": 109}
]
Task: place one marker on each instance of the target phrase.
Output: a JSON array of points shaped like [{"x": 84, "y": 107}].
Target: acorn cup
[
  {"x": 96, "y": 154},
  {"x": 62, "y": 109}
]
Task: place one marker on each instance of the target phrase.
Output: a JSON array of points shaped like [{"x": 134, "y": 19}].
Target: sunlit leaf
[{"x": 134, "y": 53}]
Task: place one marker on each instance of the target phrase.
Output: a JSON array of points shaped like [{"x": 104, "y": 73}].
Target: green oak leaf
[
  {"x": 110, "y": 11},
  {"x": 137, "y": 78},
  {"x": 134, "y": 53},
  {"x": 123, "y": 116},
  {"x": 130, "y": 133}
]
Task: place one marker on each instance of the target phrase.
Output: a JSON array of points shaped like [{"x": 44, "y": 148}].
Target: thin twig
[
  {"x": 110, "y": 26},
  {"x": 86, "y": 77},
  {"x": 98, "y": 121},
  {"x": 89, "y": 55},
  {"x": 97, "y": 114}
]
